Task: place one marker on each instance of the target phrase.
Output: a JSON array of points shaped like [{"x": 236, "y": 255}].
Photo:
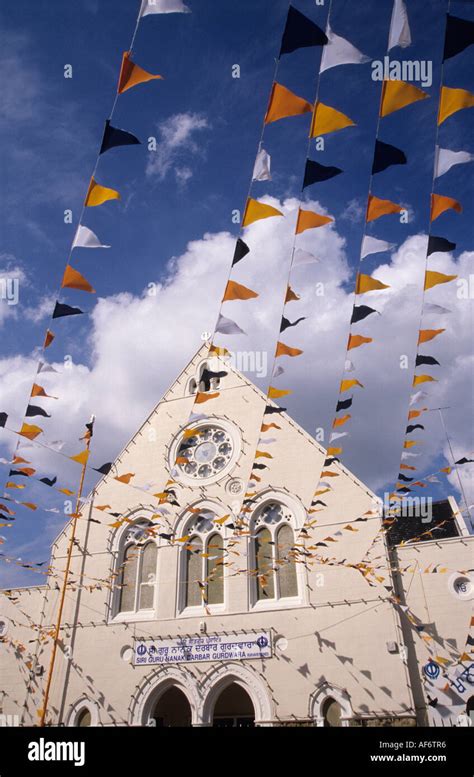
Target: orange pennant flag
[
  {"x": 81, "y": 457},
  {"x": 416, "y": 413},
  {"x": 334, "y": 451},
  {"x": 125, "y": 478},
  {"x": 407, "y": 466},
  {"x": 285, "y": 350},
  {"x": 428, "y": 334},
  {"x": 453, "y": 100},
  {"x": 327, "y": 119},
  {"x": 328, "y": 474},
  {"x": 97, "y": 194},
  {"x": 30, "y": 431},
  {"x": 397, "y": 95},
  {"x": 366, "y": 283},
  {"x": 237, "y": 291},
  {"x": 13, "y": 485},
  {"x": 356, "y": 340},
  {"x": 255, "y": 210},
  {"x": 308, "y": 219},
  {"x": 347, "y": 384},
  {"x": 440, "y": 203},
  {"x": 433, "y": 278},
  {"x": 291, "y": 295},
  {"x": 263, "y": 455},
  {"x": 48, "y": 339},
  {"x": 284, "y": 103},
  {"x": 377, "y": 208},
  {"x": 410, "y": 443},
  {"x": 219, "y": 351},
  {"x": 38, "y": 391},
  {"x": 341, "y": 421},
  {"x": 203, "y": 397},
  {"x": 73, "y": 279},
  {"x": 132, "y": 74},
  {"x": 423, "y": 379},
  {"x": 266, "y": 427},
  {"x": 274, "y": 393}
]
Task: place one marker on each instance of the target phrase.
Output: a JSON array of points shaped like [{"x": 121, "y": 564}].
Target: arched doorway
[
  {"x": 233, "y": 708},
  {"x": 172, "y": 709},
  {"x": 331, "y": 711}
]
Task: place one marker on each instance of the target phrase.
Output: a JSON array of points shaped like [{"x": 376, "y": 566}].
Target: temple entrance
[
  {"x": 172, "y": 709},
  {"x": 233, "y": 708}
]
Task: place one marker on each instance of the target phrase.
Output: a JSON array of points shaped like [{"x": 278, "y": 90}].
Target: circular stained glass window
[{"x": 207, "y": 454}]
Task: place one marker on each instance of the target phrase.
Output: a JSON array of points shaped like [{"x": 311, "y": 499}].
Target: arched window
[
  {"x": 138, "y": 570},
  {"x": 84, "y": 718},
  {"x": 203, "y": 566},
  {"x": 331, "y": 712},
  {"x": 275, "y": 568}
]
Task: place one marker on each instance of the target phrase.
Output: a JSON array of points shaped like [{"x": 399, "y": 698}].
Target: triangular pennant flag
[
  {"x": 284, "y": 103},
  {"x": 426, "y": 335},
  {"x": 278, "y": 371},
  {"x": 48, "y": 339},
  {"x": 104, "y": 469},
  {"x": 116, "y": 137},
  {"x": 347, "y": 384},
  {"x": 399, "y": 34},
  {"x": 274, "y": 393},
  {"x": 38, "y": 391},
  {"x": 452, "y": 101},
  {"x": 439, "y": 244},
  {"x": 340, "y": 51},
  {"x": 366, "y": 283},
  {"x": 397, "y": 95},
  {"x": 291, "y": 296},
  {"x": 341, "y": 421},
  {"x": 255, "y": 210},
  {"x": 132, "y": 74},
  {"x": 357, "y": 340},
  {"x": 61, "y": 310},
  {"x": 423, "y": 379},
  {"x": 163, "y": 6},
  {"x": 285, "y": 350},
  {"x": 300, "y": 32},
  {"x": 425, "y": 360},
  {"x": 440, "y": 203},
  {"x": 360, "y": 312},
  {"x": 433, "y": 278},
  {"x": 237, "y": 291},
  {"x": 315, "y": 173},
  {"x": 97, "y": 194},
  {"x": 72, "y": 279},
  {"x": 430, "y": 307},
  {"x": 385, "y": 156},
  {"x": 327, "y": 119},
  {"x": 286, "y": 323},
  {"x": 372, "y": 245},
  {"x": 81, "y": 458},
  {"x": 228, "y": 327},
  {"x": 261, "y": 170},
  {"x": 3, "y": 420},
  {"x": 34, "y": 410},
  {"x": 459, "y": 35},
  {"x": 85, "y": 238},
  {"x": 30, "y": 431},
  {"x": 308, "y": 219},
  {"x": 205, "y": 397},
  {"x": 377, "y": 208},
  {"x": 241, "y": 250},
  {"x": 446, "y": 159},
  {"x": 301, "y": 257},
  {"x": 343, "y": 405}
]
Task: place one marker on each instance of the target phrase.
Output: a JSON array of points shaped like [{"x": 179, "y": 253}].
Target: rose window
[{"x": 207, "y": 453}]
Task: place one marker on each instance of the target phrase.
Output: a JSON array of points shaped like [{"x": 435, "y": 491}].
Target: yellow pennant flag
[
  {"x": 433, "y": 278},
  {"x": 82, "y": 457},
  {"x": 30, "y": 431},
  {"x": 132, "y": 74},
  {"x": 263, "y": 455},
  {"x": 237, "y": 291},
  {"x": 327, "y": 119},
  {"x": 366, "y": 283},
  {"x": 274, "y": 393},
  {"x": 440, "y": 203},
  {"x": 428, "y": 334},
  {"x": 423, "y": 379},
  {"x": 125, "y": 478},
  {"x": 219, "y": 351},
  {"x": 73, "y": 279},
  {"x": 342, "y": 420},
  {"x": 202, "y": 397},
  {"x": 347, "y": 384},
  {"x": 410, "y": 443},
  {"x": 415, "y": 414},
  {"x": 328, "y": 474},
  {"x": 291, "y": 295},
  {"x": 453, "y": 100},
  {"x": 377, "y": 208},
  {"x": 308, "y": 219},
  {"x": 255, "y": 210},
  {"x": 284, "y": 103},
  {"x": 285, "y": 350},
  {"x": 356, "y": 340},
  {"x": 97, "y": 194},
  {"x": 397, "y": 95},
  {"x": 334, "y": 451}
]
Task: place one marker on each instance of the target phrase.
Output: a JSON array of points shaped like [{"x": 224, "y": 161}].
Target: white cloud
[{"x": 176, "y": 143}]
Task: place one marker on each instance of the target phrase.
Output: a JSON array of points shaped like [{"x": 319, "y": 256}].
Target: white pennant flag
[
  {"x": 446, "y": 159},
  {"x": 261, "y": 170},
  {"x": 163, "y": 6},
  {"x": 267, "y": 441},
  {"x": 372, "y": 245},
  {"x": 416, "y": 396},
  {"x": 278, "y": 371},
  {"x": 228, "y": 327},
  {"x": 85, "y": 238},
  {"x": 337, "y": 435},
  {"x": 399, "y": 34},
  {"x": 430, "y": 307},
  {"x": 406, "y": 455},
  {"x": 338, "y": 51},
  {"x": 303, "y": 257},
  {"x": 348, "y": 366}
]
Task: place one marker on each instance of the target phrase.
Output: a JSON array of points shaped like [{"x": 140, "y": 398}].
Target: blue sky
[{"x": 51, "y": 130}]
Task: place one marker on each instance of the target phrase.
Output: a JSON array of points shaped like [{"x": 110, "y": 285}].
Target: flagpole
[{"x": 64, "y": 585}]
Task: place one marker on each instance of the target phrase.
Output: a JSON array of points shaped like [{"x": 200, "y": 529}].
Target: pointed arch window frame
[{"x": 122, "y": 542}]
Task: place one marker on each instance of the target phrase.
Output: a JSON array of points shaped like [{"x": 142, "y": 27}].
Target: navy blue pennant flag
[
  {"x": 61, "y": 310},
  {"x": 286, "y": 323},
  {"x": 436, "y": 244},
  {"x": 3, "y": 419},
  {"x": 48, "y": 481},
  {"x": 459, "y": 35},
  {"x": 300, "y": 32},
  {"x": 386, "y": 155},
  {"x": 315, "y": 173},
  {"x": 343, "y": 404},
  {"x": 116, "y": 137},
  {"x": 241, "y": 250},
  {"x": 360, "y": 312},
  {"x": 33, "y": 410},
  {"x": 426, "y": 360},
  {"x": 412, "y": 427}
]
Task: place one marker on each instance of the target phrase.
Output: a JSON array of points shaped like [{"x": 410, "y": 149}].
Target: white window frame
[
  {"x": 117, "y": 615},
  {"x": 220, "y": 423},
  {"x": 78, "y": 707}
]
